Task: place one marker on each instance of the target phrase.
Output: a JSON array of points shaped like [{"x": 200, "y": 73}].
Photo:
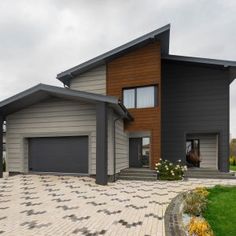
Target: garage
[{"x": 59, "y": 154}]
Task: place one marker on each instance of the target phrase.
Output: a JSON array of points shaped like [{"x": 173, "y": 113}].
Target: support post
[
  {"x": 101, "y": 143},
  {"x": 1, "y": 146}
]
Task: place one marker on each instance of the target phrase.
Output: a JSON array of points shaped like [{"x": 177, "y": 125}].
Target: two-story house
[{"x": 126, "y": 108}]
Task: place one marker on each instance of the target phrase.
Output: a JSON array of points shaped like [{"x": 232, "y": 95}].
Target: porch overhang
[{"x": 41, "y": 92}]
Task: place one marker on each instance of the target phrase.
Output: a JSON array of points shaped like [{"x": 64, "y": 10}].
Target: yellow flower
[{"x": 199, "y": 227}]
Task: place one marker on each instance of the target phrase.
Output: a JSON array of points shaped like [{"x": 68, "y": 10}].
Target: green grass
[
  {"x": 221, "y": 210},
  {"x": 233, "y": 168}
]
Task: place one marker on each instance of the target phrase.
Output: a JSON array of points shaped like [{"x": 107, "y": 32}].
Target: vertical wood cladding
[{"x": 139, "y": 68}]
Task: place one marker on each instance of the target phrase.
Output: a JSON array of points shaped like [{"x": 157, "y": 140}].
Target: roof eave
[
  {"x": 42, "y": 91},
  {"x": 224, "y": 63}
]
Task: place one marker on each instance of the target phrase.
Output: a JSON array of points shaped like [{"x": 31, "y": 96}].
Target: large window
[{"x": 140, "y": 97}]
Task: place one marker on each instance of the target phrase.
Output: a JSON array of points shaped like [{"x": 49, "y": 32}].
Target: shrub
[
  {"x": 195, "y": 202},
  {"x": 167, "y": 170},
  {"x": 232, "y": 161},
  {"x": 199, "y": 227},
  {"x": 4, "y": 165},
  {"x": 202, "y": 191}
]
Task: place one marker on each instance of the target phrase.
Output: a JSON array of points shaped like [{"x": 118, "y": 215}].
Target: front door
[{"x": 135, "y": 152}]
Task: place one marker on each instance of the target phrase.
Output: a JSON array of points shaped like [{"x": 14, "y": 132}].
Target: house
[{"x": 116, "y": 103}]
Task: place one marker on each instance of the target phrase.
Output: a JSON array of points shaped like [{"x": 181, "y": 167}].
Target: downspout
[{"x": 114, "y": 146}]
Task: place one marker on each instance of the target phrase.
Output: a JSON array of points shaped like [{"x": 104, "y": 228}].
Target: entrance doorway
[
  {"x": 139, "y": 152},
  {"x": 193, "y": 152},
  {"x": 202, "y": 150}
]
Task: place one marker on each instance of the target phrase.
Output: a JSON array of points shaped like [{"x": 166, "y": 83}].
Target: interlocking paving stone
[
  {"x": 61, "y": 200},
  {"x": 75, "y": 218},
  {"x": 64, "y": 205},
  {"x": 65, "y": 208},
  {"x": 129, "y": 225},
  {"x": 34, "y": 224},
  {"x": 107, "y": 212},
  {"x": 33, "y": 212}
]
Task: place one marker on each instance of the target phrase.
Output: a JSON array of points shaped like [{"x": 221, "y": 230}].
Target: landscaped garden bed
[
  {"x": 203, "y": 212},
  {"x": 194, "y": 205}
]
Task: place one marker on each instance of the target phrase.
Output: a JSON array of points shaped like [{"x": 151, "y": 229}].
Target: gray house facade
[{"x": 115, "y": 105}]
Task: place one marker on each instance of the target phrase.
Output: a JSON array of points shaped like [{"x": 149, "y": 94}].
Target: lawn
[
  {"x": 233, "y": 168},
  {"x": 221, "y": 210}
]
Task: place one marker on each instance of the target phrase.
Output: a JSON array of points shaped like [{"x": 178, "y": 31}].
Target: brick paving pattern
[{"x": 63, "y": 205}]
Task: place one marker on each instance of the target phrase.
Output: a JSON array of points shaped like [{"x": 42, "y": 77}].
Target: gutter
[{"x": 127, "y": 114}]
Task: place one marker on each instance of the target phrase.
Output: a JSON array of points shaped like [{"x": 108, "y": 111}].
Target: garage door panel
[{"x": 59, "y": 154}]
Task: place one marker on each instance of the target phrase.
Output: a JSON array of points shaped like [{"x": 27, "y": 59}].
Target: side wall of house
[
  {"x": 122, "y": 147},
  {"x": 52, "y": 118},
  {"x": 195, "y": 99},
  {"x": 93, "y": 81},
  {"x": 121, "y": 144}
]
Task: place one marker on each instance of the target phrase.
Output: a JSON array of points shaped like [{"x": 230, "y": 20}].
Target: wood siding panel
[
  {"x": 93, "y": 81},
  {"x": 140, "y": 67}
]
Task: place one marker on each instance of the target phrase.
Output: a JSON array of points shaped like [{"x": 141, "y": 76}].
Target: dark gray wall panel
[
  {"x": 59, "y": 154},
  {"x": 1, "y": 146},
  {"x": 195, "y": 99},
  {"x": 101, "y": 144}
]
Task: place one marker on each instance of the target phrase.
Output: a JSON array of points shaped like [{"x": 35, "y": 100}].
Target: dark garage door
[{"x": 59, "y": 154}]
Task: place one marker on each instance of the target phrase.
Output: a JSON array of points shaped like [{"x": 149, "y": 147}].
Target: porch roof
[{"x": 41, "y": 92}]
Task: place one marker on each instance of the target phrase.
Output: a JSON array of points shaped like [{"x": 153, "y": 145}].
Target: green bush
[
  {"x": 167, "y": 170},
  {"x": 195, "y": 203},
  {"x": 4, "y": 165},
  {"x": 232, "y": 161}
]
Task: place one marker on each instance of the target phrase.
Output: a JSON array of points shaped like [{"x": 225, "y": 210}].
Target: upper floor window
[{"x": 140, "y": 97}]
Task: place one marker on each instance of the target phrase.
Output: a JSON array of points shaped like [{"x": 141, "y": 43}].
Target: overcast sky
[{"x": 39, "y": 39}]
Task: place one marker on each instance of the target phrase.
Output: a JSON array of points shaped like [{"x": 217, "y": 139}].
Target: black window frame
[{"x": 156, "y": 98}]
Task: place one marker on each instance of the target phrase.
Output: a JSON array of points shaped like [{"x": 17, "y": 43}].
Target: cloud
[{"x": 42, "y": 38}]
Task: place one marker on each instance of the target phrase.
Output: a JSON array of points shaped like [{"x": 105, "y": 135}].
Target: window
[
  {"x": 140, "y": 97},
  {"x": 129, "y": 98}
]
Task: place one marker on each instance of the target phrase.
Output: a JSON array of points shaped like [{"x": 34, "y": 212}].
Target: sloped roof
[
  {"x": 42, "y": 91},
  {"x": 225, "y": 63},
  {"x": 162, "y": 34}
]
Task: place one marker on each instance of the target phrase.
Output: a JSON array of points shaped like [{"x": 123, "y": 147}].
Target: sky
[{"x": 39, "y": 39}]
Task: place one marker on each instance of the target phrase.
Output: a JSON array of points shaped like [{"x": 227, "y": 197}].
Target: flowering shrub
[
  {"x": 167, "y": 170},
  {"x": 199, "y": 227}
]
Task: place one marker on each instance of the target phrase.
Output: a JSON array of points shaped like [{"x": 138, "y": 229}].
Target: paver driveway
[{"x": 54, "y": 205}]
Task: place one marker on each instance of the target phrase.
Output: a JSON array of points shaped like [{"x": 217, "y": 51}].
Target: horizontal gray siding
[
  {"x": 93, "y": 81},
  {"x": 53, "y": 117},
  {"x": 122, "y": 147},
  {"x": 195, "y": 99}
]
